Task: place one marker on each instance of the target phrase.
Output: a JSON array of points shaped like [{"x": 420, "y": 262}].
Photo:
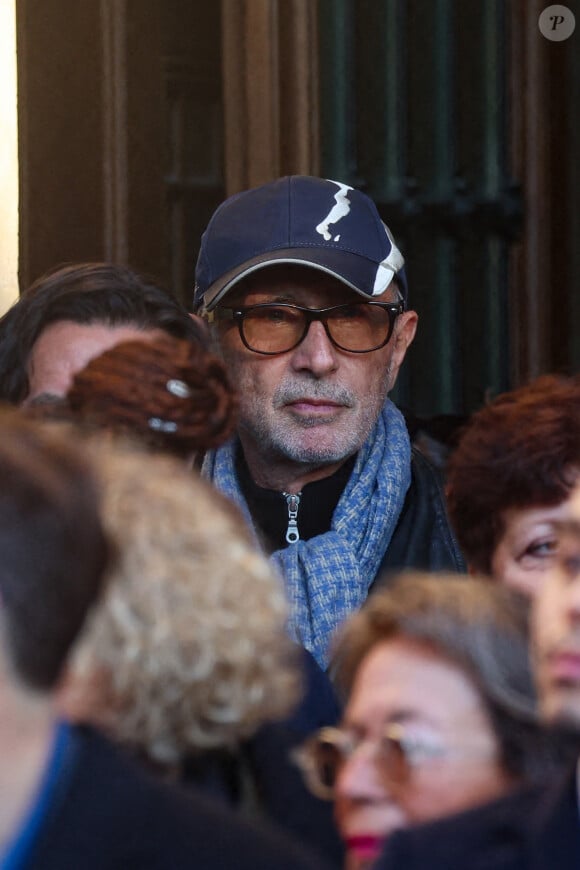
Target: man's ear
[{"x": 405, "y": 329}]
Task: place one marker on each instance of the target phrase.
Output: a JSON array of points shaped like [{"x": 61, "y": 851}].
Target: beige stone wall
[{"x": 8, "y": 156}]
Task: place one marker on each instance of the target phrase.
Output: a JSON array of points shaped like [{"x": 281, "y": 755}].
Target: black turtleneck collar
[{"x": 269, "y": 508}]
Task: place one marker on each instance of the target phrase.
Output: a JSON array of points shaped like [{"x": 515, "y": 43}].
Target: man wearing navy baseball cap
[{"x": 306, "y": 293}]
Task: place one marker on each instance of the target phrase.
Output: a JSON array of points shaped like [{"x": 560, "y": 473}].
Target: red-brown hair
[
  {"x": 522, "y": 450},
  {"x": 172, "y": 394}
]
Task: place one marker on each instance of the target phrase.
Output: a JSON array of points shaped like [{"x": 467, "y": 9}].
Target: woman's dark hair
[
  {"x": 479, "y": 626},
  {"x": 53, "y": 551},
  {"x": 520, "y": 451},
  {"x": 172, "y": 395},
  {"x": 84, "y": 293}
]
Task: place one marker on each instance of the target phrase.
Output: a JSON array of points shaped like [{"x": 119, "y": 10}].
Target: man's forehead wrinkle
[
  {"x": 289, "y": 289},
  {"x": 282, "y": 297}
]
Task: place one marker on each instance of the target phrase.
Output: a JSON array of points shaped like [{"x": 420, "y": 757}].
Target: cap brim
[{"x": 351, "y": 269}]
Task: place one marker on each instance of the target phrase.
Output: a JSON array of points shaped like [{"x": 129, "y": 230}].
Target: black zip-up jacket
[{"x": 422, "y": 540}]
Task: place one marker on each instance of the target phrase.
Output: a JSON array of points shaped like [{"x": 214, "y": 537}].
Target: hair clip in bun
[
  {"x": 161, "y": 425},
  {"x": 178, "y": 388}
]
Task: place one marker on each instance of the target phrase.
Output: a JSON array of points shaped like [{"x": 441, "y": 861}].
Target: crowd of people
[{"x": 246, "y": 620}]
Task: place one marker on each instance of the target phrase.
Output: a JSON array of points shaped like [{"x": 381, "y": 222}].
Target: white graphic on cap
[
  {"x": 337, "y": 212},
  {"x": 388, "y": 268}
]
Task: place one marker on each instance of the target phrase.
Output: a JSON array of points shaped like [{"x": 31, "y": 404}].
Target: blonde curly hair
[{"x": 188, "y": 650}]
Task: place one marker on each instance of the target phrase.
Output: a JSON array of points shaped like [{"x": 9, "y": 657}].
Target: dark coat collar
[{"x": 554, "y": 828}]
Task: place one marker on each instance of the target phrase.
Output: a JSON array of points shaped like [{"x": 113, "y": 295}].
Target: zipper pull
[{"x": 293, "y": 502}]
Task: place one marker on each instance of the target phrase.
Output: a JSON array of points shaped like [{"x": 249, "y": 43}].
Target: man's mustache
[{"x": 292, "y": 392}]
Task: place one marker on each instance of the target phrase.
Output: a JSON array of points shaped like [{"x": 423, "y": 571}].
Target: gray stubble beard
[{"x": 284, "y": 440}]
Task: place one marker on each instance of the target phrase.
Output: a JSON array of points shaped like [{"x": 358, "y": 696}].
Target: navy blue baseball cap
[{"x": 313, "y": 222}]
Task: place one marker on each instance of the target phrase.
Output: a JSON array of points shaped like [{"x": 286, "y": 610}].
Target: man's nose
[{"x": 315, "y": 353}]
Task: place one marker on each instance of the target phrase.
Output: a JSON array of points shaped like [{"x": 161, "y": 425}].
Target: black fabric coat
[
  {"x": 536, "y": 829},
  {"x": 109, "y": 814},
  {"x": 423, "y": 539},
  {"x": 264, "y": 766}
]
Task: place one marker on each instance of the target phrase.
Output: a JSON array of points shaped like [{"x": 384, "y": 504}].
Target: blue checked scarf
[{"x": 328, "y": 577}]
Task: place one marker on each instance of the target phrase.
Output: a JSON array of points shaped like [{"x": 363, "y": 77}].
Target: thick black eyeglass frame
[{"x": 394, "y": 309}]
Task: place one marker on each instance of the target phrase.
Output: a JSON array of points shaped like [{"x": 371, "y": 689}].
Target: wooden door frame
[
  {"x": 84, "y": 142},
  {"x": 270, "y": 81},
  {"x": 532, "y": 154}
]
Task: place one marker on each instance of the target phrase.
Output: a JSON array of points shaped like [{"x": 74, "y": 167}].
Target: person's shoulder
[
  {"x": 159, "y": 825},
  {"x": 423, "y": 538},
  {"x": 425, "y": 473},
  {"x": 202, "y": 833},
  {"x": 483, "y": 837},
  {"x": 220, "y": 838}
]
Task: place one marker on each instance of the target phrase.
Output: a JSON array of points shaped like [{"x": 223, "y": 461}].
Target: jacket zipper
[{"x": 293, "y": 503}]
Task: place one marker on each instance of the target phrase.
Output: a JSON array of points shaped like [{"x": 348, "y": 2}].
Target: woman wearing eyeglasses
[{"x": 440, "y": 711}]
